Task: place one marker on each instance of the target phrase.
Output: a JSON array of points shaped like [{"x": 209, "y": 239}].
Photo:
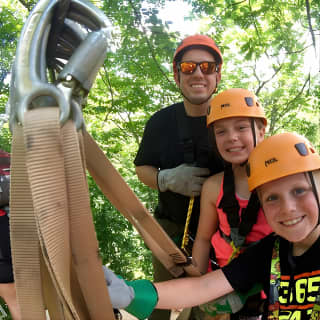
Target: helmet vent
[
  {"x": 302, "y": 149},
  {"x": 249, "y": 101}
]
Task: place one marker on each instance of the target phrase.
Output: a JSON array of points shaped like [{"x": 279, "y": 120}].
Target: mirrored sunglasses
[{"x": 189, "y": 67}]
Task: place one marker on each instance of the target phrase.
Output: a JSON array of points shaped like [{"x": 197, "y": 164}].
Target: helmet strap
[
  {"x": 315, "y": 192},
  {"x": 253, "y": 132},
  {"x": 254, "y": 139}
]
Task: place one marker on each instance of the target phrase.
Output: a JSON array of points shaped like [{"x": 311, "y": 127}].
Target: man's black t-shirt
[
  {"x": 300, "y": 279},
  {"x": 162, "y": 147}
]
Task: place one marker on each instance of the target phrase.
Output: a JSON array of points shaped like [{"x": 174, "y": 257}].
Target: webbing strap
[
  {"x": 122, "y": 197},
  {"x": 52, "y": 235},
  {"x": 25, "y": 245},
  {"x": 238, "y": 229},
  {"x": 185, "y": 135},
  {"x": 55, "y": 251}
]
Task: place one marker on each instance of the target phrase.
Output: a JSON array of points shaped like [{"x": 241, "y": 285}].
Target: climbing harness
[
  {"x": 229, "y": 204},
  {"x": 55, "y": 251},
  {"x": 194, "y": 154}
]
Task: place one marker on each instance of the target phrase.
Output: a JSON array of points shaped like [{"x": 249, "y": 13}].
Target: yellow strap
[
  {"x": 235, "y": 251},
  {"x": 185, "y": 239}
]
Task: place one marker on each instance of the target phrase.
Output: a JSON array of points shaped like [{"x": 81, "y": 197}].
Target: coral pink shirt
[{"x": 222, "y": 248}]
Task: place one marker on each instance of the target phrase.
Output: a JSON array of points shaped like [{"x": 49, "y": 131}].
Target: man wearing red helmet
[{"x": 174, "y": 156}]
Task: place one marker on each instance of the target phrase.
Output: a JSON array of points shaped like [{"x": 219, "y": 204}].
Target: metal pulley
[{"x": 43, "y": 77}]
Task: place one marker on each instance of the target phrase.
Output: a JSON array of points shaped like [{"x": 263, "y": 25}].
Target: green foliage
[
  {"x": 6, "y": 310},
  {"x": 265, "y": 44},
  {"x": 10, "y": 27}
]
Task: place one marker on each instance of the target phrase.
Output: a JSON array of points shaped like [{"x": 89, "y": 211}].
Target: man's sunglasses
[{"x": 189, "y": 67}]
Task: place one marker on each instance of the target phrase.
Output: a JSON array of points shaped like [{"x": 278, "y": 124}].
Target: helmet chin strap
[
  {"x": 315, "y": 192},
  {"x": 254, "y": 138}
]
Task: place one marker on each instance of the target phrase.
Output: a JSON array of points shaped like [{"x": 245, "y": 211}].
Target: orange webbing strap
[
  {"x": 123, "y": 198},
  {"x": 55, "y": 251}
]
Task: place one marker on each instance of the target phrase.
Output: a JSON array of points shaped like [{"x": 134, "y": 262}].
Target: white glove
[
  {"x": 184, "y": 179},
  {"x": 120, "y": 293}
]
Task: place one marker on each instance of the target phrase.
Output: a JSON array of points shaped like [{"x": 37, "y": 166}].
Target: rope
[{"x": 185, "y": 239}]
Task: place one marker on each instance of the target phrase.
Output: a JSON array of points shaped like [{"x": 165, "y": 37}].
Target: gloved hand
[
  {"x": 121, "y": 295},
  {"x": 230, "y": 303},
  {"x": 137, "y": 297},
  {"x": 184, "y": 179}
]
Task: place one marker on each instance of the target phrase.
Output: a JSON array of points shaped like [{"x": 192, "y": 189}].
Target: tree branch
[
  {"x": 137, "y": 14},
  {"x": 26, "y": 5},
  {"x": 310, "y": 25},
  {"x": 263, "y": 83}
]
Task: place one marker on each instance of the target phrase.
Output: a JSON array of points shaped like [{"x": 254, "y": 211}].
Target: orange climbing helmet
[
  {"x": 235, "y": 102},
  {"x": 278, "y": 156},
  {"x": 197, "y": 40}
]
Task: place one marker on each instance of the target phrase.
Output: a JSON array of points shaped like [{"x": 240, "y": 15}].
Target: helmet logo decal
[
  {"x": 301, "y": 148},
  {"x": 225, "y": 105},
  {"x": 270, "y": 161},
  {"x": 249, "y": 101}
]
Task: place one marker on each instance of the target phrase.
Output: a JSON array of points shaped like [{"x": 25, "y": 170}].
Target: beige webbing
[
  {"x": 123, "y": 198},
  {"x": 54, "y": 246},
  {"x": 55, "y": 251}
]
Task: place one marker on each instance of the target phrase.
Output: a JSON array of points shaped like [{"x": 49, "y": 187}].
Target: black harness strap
[
  {"x": 230, "y": 205},
  {"x": 195, "y": 151},
  {"x": 185, "y": 135}
]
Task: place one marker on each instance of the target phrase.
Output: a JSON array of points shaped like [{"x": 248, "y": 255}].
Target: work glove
[
  {"x": 184, "y": 179},
  {"x": 230, "y": 303},
  {"x": 137, "y": 297}
]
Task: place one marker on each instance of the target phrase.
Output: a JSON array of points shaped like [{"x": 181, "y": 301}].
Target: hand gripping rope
[{"x": 55, "y": 250}]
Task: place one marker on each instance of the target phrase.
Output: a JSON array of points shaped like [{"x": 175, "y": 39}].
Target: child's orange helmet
[
  {"x": 235, "y": 102},
  {"x": 279, "y": 156}
]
